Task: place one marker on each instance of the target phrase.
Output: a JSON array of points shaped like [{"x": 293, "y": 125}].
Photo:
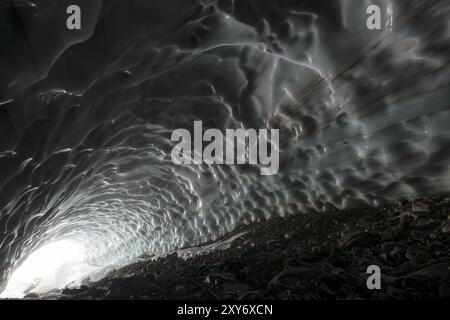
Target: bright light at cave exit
[{"x": 51, "y": 266}]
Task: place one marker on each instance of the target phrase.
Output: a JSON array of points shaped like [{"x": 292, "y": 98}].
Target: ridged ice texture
[{"x": 86, "y": 116}]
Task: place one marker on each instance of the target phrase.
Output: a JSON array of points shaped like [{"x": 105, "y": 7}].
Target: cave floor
[{"x": 313, "y": 256}]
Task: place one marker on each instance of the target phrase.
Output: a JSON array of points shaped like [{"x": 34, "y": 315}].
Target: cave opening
[{"x": 51, "y": 266}]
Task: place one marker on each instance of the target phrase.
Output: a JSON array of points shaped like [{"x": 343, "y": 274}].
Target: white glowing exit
[{"x": 51, "y": 266}]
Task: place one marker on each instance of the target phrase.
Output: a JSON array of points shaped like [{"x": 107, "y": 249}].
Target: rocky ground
[{"x": 314, "y": 256}]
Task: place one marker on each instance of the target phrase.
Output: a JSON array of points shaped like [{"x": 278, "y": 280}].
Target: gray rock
[
  {"x": 357, "y": 239},
  {"x": 446, "y": 227},
  {"x": 417, "y": 256},
  {"x": 444, "y": 291}
]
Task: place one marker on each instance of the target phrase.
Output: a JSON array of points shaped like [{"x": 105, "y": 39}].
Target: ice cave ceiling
[{"x": 86, "y": 116}]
